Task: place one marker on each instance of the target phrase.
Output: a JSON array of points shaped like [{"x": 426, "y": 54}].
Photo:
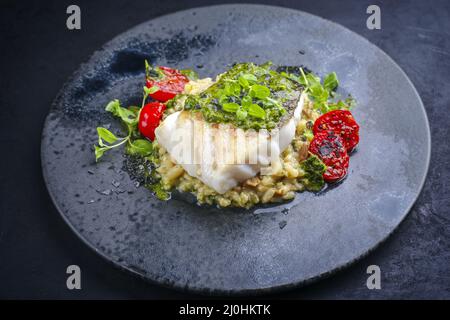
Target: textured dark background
[{"x": 38, "y": 54}]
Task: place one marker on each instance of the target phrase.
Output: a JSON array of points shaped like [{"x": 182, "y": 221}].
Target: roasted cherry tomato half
[
  {"x": 170, "y": 82},
  {"x": 342, "y": 123},
  {"x": 149, "y": 119},
  {"x": 329, "y": 147}
]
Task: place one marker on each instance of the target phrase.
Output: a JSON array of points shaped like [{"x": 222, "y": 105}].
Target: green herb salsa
[{"x": 248, "y": 96}]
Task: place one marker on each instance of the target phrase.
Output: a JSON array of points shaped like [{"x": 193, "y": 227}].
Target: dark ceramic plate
[{"x": 204, "y": 249}]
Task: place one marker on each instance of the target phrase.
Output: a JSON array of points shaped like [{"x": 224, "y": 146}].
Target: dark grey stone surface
[{"x": 414, "y": 262}]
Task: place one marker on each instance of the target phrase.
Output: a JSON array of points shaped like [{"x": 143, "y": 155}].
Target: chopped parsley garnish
[
  {"x": 314, "y": 169},
  {"x": 249, "y": 96}
]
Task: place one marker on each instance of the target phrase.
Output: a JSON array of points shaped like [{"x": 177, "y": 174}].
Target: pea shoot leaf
[
  {"x": 256, "y": 111},
  {"x": 141, "y": 147},
  {"x": 106, "y": 135}
]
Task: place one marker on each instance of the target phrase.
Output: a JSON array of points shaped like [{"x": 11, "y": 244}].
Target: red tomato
[
  {"x": 330, "y": 148},
  {"x": 149, "y": 119},
  {"x": 341, "y": 122},
  {"x": 170, "y": 84}
]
